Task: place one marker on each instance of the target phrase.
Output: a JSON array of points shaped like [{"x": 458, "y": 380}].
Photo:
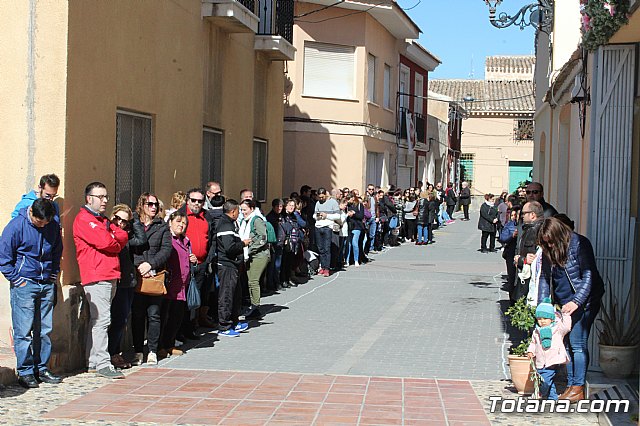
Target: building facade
[
  {"x": 497, "y": 139},
  {"x": 341, "y": 102},
  {"x": 148, "y": 95}
]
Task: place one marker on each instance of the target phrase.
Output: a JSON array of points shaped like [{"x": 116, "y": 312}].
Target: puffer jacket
[
  {"x": 158, "y": 247},
  {"x": 422, "y": 218},
  {"x": 586, "y": 284}
]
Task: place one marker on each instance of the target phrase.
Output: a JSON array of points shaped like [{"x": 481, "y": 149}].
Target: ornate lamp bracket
[{"x": 538, "y": 15}]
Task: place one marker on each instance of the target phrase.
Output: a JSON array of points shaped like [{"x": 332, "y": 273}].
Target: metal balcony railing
[
  {"x": 249, "y": 4},
  {"x": 276, "y": 18},
  {"x": 419, "y": 122}
]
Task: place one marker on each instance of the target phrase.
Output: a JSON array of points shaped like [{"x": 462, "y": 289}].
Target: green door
[{"x": 519, "y": 171}]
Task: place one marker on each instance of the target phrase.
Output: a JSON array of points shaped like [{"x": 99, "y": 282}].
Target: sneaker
[
  {"x": 110, "y": 373},
  {"x": 138, "y": 358},
  {"x": 229, "y": 333},
  {"x": 320, "y": 271},
  {"x": 152, "y": 358},
  {"x": 325, "y": 273},
  {"x": 241, "y": 326},
  {"x": 356, "y": 264},
  {"x": 373, "y": 252}
]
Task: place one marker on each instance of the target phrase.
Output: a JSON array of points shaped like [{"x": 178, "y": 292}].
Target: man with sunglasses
[
  {"x": 98, "y": 245},
  {"x": 214, "y": 200},
  {"x": 531, "y": 216},
  {"x": 47, "y": 188},
  {"x": 535, "y": 192}
]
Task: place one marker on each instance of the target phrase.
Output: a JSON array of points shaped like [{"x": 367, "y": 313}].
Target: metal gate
[{"x": 611, "y": 227}]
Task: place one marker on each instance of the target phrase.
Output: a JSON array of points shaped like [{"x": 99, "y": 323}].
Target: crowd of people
[{"x": 202, "y": 260}]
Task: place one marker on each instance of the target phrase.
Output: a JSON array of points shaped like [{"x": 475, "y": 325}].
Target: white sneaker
[
  {"x": 152, "y": 358},
  {"x": 356, "y": 264},
  {"x": 138, "y": 358}
]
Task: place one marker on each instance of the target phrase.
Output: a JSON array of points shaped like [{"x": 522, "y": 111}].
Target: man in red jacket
[{"x": 98, "y": 243}]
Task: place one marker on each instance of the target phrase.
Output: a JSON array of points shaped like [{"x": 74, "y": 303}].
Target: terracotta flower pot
[
  {"x": 520, "y": 368},
  {"x": 618, "y": 362}
]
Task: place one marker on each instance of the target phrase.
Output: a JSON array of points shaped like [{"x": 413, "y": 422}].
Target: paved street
[{"x": 415, "y": 337}]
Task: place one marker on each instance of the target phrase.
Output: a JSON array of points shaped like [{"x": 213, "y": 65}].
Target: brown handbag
[{"x": 152, "y": 286}]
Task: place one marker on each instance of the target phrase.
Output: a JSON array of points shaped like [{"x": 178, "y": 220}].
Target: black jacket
[
  {"x": 527, "y": 240},
  {"x": 356, "y": 221},
  {"x": 427, "y": 211},
  {"x": 386, "y": 207},
  {"x": 137, "y": 238},
  {"x": 487, "y": 215},
  {"x": 465, "y": 197},
  {"x": 450, "y": 197},
  {"x": 158, "y": 247},
  {"x": 585, "y": 285},
  {"x": 549, "y": 210},
  {"x": 230, "y": 246}
]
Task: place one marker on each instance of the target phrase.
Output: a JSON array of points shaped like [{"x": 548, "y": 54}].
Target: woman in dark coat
[
  {"x": 149, "y": 259},
  {"x": 569, "y": 263},
  {"x": 465, "y": 199},
  {"x": 355, "y": 213},
  {"x": 422, "y": 219},
  {"x": 487, "y": 223}
]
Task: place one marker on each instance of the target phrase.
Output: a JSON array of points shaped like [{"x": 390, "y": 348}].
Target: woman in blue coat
[{"x": 571, "y": 278}]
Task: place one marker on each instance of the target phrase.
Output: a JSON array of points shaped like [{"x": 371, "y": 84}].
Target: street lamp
[{"x": 538, "y": 15}]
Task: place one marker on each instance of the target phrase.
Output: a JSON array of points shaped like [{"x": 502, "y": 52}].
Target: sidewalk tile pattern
[{"x": 226, "y": 397}]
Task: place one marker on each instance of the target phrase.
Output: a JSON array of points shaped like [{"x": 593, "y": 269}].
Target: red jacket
[{"x": 98, "y": 243}]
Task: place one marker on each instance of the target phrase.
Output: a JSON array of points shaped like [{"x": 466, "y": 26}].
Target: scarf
[{"x": 245, "y": 231}]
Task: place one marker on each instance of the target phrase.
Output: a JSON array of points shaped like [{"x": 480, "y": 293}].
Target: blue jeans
[
  {"x": 372, "y": 232},
  {"x": 32, "y": 320},
  {"x": 355, "y": 243},
  {"x": 323, "y": 242},
  {"x": 275, "y": 267},
  {"x": 423, "y": 233},
  {"x": 120, "y": 310},
  {"x": 577, "y": 343},
  {"x": 548, "y": 387}
]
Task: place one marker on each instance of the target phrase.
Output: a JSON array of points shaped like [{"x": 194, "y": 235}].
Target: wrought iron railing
[
  {"x": 418, "y": 120},
  {"x": 276, "y": 18},
  {"x": 249, "y": 4}
]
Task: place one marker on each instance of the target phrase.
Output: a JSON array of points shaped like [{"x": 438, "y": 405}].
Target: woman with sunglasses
[
  {"x": 121, "y": 304},
  {"x": 149, "y": 260}
]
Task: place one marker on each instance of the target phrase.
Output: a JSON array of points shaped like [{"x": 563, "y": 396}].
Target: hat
[{"x": 546, "y": 309}]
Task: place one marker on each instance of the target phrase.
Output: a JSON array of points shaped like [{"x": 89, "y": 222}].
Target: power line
[
  {"x": 343, "y": 16},
  {"x": 319, "y": 9}
]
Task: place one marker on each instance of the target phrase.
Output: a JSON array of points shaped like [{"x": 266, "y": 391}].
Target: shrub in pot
[
  {"x": 522, "y": 317},
  {"x": 618, "y": 337}
]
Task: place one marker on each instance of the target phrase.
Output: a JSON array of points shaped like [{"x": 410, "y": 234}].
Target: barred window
[
  {"x": 523, "y": 130},
  {"x": 466, "y": 167},
  {"x": 211, "y": 156},
  {"x": 260, "y": 169},
  {"x": 133, "y": 156}
]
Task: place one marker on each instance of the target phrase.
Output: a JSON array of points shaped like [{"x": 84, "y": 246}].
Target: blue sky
[{"x": 458, "y": 30}]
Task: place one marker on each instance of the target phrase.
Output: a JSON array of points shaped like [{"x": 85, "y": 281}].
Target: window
[
  {"x": 466, "y": 167},
  {"x": 329, "y": 70},
  {"x": 260, "y": 170},
  {"x": 371, "y": 78},
  {"x": 523, "y": 130},
  {"x": 211, "y": 156},
  {"x": 133, "y": 156},
  {"x": 387, "y": 86},
  {"x": 374, "y": 168},
  {"x": 404, "y": 86},
  {"x": 419, "y": 91}
]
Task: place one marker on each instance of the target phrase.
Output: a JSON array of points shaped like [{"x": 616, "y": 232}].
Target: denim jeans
[
  {"x": 577, "y": 343},
  {"x": 423, "y": 233},
  {"x": 548, "y": 387},
  {"x": 32, "y": 320},
  {"x": 323, "y": 241},
  {"x": 275, "y": 268},
  {"x": 372, "y": 232},
  {"x": 120, "y": 310},
  {"x": 355, "y": 245}
]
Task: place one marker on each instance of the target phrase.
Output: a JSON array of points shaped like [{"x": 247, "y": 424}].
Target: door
[
  {"x": 519, "y": 171},
  {"x": 405, "y": 177}
]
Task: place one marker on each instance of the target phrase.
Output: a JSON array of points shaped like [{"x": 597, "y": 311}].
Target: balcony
[
  {"x": 231, "y": 15},
  {"x": 420, "y": 125},
  {"x": 275, "y": 30}
]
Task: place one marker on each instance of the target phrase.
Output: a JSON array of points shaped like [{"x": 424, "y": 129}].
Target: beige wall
[{"x": 491, "y": 140}]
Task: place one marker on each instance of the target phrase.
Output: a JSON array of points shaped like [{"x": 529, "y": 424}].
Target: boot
[
  {"x": 203, "y": 319},
  {"x": 566, "y": 392},
  {"x": 576, "y": 394}
]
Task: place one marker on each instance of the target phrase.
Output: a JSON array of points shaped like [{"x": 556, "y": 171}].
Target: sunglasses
[
  {"x": 532, "y": 191},
  {"x": 152, "y": 204},
  {"x": 196, "y": 200},
  {"x": 118, "y": 219}
]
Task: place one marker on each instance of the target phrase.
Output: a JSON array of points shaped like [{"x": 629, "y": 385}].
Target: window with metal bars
[
  {"x": 260, "y": 150},
  {"x": 466, "y": 167},
  {"x": 133, "y": 156},
  {"x": 211, "y": 156},
  {"x": 523, "y": 130}
]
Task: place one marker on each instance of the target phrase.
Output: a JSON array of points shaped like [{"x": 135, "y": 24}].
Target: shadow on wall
[{"x": 310, "y": 156}]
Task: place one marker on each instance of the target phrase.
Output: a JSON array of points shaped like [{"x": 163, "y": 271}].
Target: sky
[{"x": 459, "y": 33}]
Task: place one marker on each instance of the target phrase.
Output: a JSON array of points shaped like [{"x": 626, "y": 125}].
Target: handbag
[
  {"x": 193, "y": 293},
  {"x": 152, "y": 286}
]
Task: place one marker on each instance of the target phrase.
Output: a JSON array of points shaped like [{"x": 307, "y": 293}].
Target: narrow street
[{"x": 414, "y": 337}]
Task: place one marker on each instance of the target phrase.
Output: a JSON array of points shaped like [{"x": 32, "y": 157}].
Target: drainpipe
[{"x": 30, "y": 98}]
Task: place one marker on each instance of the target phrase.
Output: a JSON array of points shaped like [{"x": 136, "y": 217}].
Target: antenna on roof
[{"x": 471, "y": 72}]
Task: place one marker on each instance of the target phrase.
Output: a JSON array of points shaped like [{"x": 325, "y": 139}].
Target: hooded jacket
[
  {"x": 556, "y": 354},
  {"x": 27, "y": 251},
  {"x": 98, "y": 244},
  {"x": 27, "y": 200}
]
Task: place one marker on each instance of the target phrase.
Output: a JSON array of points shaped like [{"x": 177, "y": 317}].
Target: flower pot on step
[
  {"x": 520, "y": 368},
  {"x": 618, "y": 362}
]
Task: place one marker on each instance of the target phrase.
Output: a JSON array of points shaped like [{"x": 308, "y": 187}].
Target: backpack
[{"x": 271, "y": 233}]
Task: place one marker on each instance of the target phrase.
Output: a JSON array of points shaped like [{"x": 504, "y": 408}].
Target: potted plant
[
  {"x": 522, "y": 317},
  {"x": 619, "y": 338}
]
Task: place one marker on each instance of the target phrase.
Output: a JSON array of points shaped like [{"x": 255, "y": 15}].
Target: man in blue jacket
[
  {"x": 30, "y": 252},
  {"x": 47, "y": 188}
]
